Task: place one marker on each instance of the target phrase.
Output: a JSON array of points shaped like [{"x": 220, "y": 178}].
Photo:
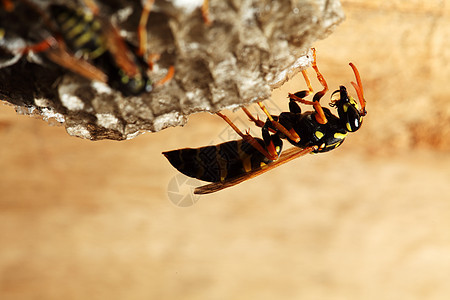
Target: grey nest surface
[{"x": 250, "y": 48}]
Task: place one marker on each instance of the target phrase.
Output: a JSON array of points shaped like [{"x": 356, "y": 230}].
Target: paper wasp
[
  {"x": 87, "y": 43},
  {"x": 316, "y": 131}
]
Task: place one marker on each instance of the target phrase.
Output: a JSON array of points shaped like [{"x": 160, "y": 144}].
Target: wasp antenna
[
  {"x": 359, "y": 89},
  {"x": 360, "y": 95}
]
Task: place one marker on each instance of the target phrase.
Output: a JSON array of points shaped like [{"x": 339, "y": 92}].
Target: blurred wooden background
[{"x": 371, "y": 220}]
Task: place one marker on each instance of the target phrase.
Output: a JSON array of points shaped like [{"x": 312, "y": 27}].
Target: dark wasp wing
[{"x": 285, "y": 157}]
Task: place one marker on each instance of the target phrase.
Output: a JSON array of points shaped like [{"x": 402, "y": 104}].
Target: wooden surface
[{"x": 371, "y": 220}]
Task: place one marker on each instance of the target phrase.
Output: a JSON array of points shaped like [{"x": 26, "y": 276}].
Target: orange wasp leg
[
  {"x": 143, "y": 44},
  {"x": 319, "y": 75},
  {"x": 41, "y": 46},
  {"x": 205, "y": 12},
  {"x": 256, "y": 120},
  {"x": 290, "y": 134},
  {"x": 168, "y": 77},
  {"x": 308, "y": 82},
  {"x": 249, "y": 139},
  {"x": 142, "y": 28},
  {"x": 320, "y": 115}
]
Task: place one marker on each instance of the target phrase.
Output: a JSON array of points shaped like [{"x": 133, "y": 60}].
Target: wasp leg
[
  {"x": 142, "y": 51},
  {"x": 142, "y": 28},
  {"x": 41, "y": 46},
  {"x": 249, "y": 139},
  {"x": 290, "y": 134},
  {"x": 168, "y": 77},
  {"x": 320, "y": 115},
  {"x": 256, "y": 120},
  {"x": 205, "y": 12},
  {"x": 319, "y": 76},
  {"x": 308, "y": 82},
  {"x": 273, "y": 142},
  {"x": 293, "y": 106}
]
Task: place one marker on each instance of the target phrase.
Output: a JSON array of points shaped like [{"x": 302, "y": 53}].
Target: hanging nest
[{"x": 250, "y": 48}]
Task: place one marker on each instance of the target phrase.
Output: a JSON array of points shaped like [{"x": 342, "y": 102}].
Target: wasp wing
[
  {"x": 285, "y": 157},
  {"x": 79, "y": 66}
]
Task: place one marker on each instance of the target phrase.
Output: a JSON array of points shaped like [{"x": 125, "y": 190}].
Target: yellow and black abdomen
[
  {"x": 81, "y": 31},
  {"x": 219, "y": 162}
]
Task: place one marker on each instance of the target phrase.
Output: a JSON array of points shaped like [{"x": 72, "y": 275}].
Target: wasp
[
  {"x": 315, "y": 131},
  {"x": 87, "y": 43}
]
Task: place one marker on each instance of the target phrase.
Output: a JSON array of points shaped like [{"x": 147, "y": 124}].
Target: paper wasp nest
[{"x": 250, "y": 48}]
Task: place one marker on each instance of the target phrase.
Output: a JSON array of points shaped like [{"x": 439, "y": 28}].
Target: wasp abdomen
[
  {"x": 81, "y": 31},
  {"x": 219, "y": 162}
]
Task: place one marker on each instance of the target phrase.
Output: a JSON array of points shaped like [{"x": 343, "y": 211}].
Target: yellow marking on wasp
[
  {"x": 83, "y": 39},
  {"x": 319, "y": 134},
  {"x": 262, "y": 164},
  {"x": 123, "y": 77},
  {"x": 349, "y": 128},
  {"x": 353, "y": 101},
  {"x": 69, "y": 23},
  {"x": 88, "y": 17},
  {"x": 77, "y": 29},
  {"x": 97, "y": 52},
  {"x": 96, "y": 26},
  {"x": 345, "y": 107},
  {"x": 339, "y": 135},
  {"x": 335, "y": 145}
]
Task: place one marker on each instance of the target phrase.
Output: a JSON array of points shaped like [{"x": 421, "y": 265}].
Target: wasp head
[
  {"x": 350, "y": 113},
  {"x": 347, "y": 109}
]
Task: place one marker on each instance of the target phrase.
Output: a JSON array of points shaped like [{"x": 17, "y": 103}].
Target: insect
[
  {"x": 85, "y": 42},
  {"x": 316, "y": 131}
]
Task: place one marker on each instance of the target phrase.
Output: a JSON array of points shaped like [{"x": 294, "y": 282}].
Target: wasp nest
[{"x": 250, "y": 48}]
